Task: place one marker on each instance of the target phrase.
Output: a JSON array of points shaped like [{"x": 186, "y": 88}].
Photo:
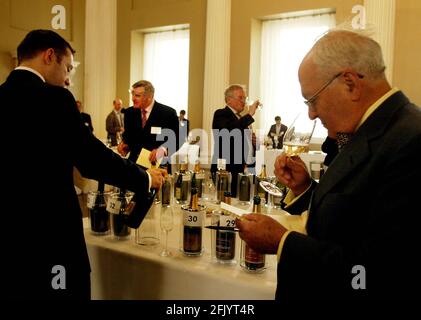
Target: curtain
[
  {"x": 284, "y": 44},
  {"x": 166, "y": 65}
]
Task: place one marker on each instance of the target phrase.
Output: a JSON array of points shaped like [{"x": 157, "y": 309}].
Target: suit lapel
[{"x": 358, "y": 150}]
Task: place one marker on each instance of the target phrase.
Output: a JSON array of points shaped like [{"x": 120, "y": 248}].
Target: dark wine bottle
[
  {"x": 120, "y": 228},
  {"x": 200, "y": 177},
  {"x": 244, "y": 187},
  {"x": 181, "y": 186},
  {"x": 225, "y": 240},
  {"x": 254, "y": 260},
  {"x": 166, "y": 191},
  {"x": 192, "y": 234},
  {"x": 100, "y": 218}
]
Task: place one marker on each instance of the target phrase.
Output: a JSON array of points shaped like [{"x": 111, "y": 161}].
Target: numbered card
[
  {"x": 193, "y": 219},
  {"x": 186, "y": 177},
  {"x": 221, "y": 164},
  {"x": 113, "y": 206},
  {"x": 226, "y": 221},
  {"x": 90, "y": 202}
]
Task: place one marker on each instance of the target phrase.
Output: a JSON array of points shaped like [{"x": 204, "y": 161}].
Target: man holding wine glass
[{"x": 362, "y": 230}]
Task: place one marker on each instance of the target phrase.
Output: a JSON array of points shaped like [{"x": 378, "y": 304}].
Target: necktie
[
  {"x": 342, "y": 139},
  {"x": 144, "y": 119}
]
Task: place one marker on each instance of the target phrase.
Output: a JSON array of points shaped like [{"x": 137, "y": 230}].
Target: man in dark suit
[
  {"x": 114, "y": 124},
  {"x": 362, "y": 232},
  {"x": 45, "y": 256},
  {"x": 86, "y": 118},
  {"x": 148, "y": 124},
  {"x": 276, "y": 133},
  {"x": 184, "y": 127},
  {"x": 232, "y": 136}
]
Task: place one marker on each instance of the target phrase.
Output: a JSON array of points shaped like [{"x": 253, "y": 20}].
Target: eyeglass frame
[{"x": 309, "y": 101}]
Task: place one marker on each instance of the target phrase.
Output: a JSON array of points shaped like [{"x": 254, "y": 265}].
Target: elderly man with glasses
[{"x": 360, "y": 235}]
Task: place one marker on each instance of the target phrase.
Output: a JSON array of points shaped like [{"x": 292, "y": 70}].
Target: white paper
[
  {"x": 234, "y": 210},
  {"x": 156, "y": 130}
]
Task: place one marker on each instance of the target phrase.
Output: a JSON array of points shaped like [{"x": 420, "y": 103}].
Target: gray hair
[
  {"x": 145, "y": 84},
  {"x": 230, "y": 90},
  {"x": 339, "y": 49}
]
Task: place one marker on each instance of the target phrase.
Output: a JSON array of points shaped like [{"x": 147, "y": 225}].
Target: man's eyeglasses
[{"x": 313, "y": 98}]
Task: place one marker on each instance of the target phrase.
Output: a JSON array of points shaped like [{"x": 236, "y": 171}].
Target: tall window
[
  {"x": 166, "y": 65},
  {"x": 284, "y": 44}
]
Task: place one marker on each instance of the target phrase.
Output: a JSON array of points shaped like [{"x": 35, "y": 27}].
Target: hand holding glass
[
  {"x": 297, "y": 137},
  {"x": 167, "y": 224}
]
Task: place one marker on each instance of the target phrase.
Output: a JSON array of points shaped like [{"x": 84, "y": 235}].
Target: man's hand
[
  {"x": 292, "y": 172},
  {"x": 157, "y": 177},
  {"x": 261, "y": 232},
  {"x": 156, "y": 154},
  {"x": 253, "y": 107},
  {"x": 123, "y": 149}
]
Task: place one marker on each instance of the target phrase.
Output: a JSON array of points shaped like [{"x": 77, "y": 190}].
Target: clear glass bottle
[{"x": 252, "y": 260}]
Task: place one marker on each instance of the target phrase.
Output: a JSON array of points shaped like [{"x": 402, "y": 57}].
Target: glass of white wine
[
  {"x": 167, "y": 224},
  {"x": 297, "y": 138}
]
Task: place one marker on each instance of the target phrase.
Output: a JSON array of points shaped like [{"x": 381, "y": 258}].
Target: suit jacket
[
  {"x": 183, "y": 130},
  {"x": 113, "y": 126},
  {"x": 136, "y": 137},
  {"x": 86, "y": 119},
  {"x": 364, "y": 212},
  {"x": 280, "y": 144},
  {"x": 43, "y": 228},
  {"x": 233, "y": 149}
]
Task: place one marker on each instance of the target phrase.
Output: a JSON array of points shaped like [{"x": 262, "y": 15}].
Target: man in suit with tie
[
  {"x": 114, "y": 124},
  {"x": 362, "y": 232},
  {"x": 149, "y": 125},
  {"x": 232, "y": 136},
  {"x": 276, "y": 133},
  {"x": 46, "y": 255}
]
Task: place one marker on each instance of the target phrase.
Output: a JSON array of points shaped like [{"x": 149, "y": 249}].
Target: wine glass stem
[{"x": 166, "y": 240}]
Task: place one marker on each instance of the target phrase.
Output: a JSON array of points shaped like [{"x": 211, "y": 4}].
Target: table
[{"x": 122, "y": 269}]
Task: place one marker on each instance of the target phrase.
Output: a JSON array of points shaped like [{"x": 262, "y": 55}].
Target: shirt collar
[
  {"x": 31, "y": 70},
  {"x": 148, "y": 109},
  {"x": 233, "y": 110},
  {"x": 375, "y": 105}
]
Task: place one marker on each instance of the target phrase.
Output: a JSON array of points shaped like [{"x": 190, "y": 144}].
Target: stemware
[
  {"x": 167, "y": 224},
  {"x": 297, "y": 138}
]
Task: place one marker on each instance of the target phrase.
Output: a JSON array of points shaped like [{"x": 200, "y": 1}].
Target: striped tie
[{"x": 144, "y": 119}]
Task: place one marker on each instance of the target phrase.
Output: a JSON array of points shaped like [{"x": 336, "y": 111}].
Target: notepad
[{"x": 143, "y": 160}]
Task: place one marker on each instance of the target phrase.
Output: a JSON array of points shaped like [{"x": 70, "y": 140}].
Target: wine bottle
[
  {"x": 225, "y": 240},
  {"x": 223, "y": 181},
  {"x": 181, "y": 186},
  {"x": 166, "y": 190},
  {"x": 120, "y": 228},
  {"x": 192, "y": 229},
  {"x": 244, "y": 186},
  {"x": 253, "y": 260},
  {"x": 100, "y": 218},
  {"x": 200, "y": 177},
  {"x": 259, "y": 190}
]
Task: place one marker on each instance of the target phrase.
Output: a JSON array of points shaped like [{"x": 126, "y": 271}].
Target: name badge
[{"x": 156, "y": 130}]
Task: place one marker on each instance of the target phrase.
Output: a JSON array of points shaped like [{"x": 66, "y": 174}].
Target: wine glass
[
  {"x": 297, "y": 138},
  {"x": 167, "y": 223}
]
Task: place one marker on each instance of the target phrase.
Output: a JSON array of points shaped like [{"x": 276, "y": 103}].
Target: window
[
  {"x": 285, "y": 42},
  {"x": 166, "y": 65}
]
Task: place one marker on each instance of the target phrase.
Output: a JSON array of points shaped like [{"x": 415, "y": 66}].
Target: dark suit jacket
[
  {"x": 112, "y": 125},
  {"x": 365, "y": 211},
  {"x": 137, "y": 137},
  {"x": 280, "y": 144},
  {"x": 86, "y": 119},
  {"x": 233, "y": 150},
  {"x": 184, "y": 130},
  {"x": 43, "y": 225}
]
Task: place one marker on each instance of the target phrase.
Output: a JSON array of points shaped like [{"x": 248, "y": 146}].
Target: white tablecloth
[{"x": 122, "y": 269}]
